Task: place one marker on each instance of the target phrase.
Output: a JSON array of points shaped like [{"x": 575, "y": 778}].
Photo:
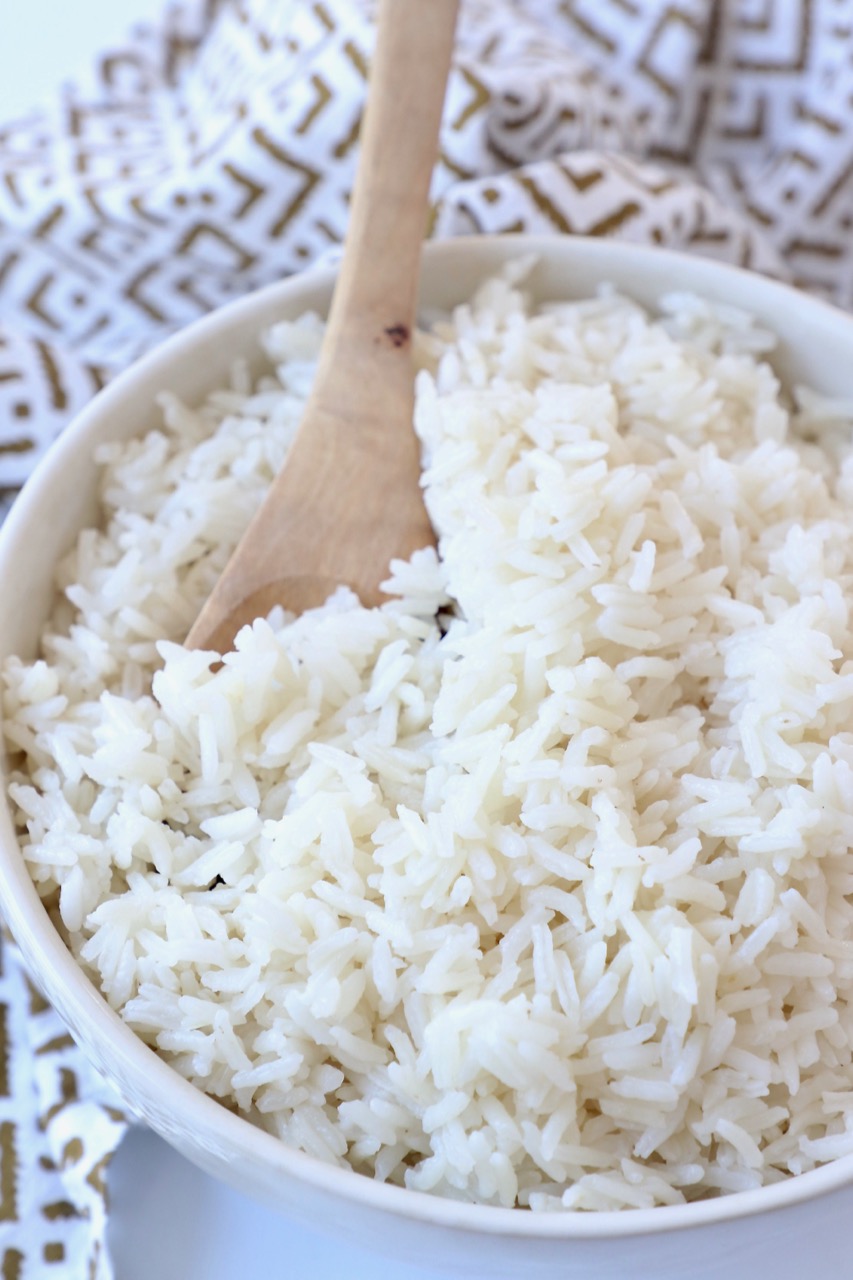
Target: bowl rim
[{"x": 155, "y": 1079}]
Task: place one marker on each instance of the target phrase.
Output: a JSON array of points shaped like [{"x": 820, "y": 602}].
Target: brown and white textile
[{"x": 215, "y": 152}]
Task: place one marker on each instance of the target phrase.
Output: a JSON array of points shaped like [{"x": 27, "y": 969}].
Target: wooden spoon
[{"x": 348, "y": 497}]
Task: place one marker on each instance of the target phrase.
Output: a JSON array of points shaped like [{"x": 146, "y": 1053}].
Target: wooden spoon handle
[
  {"x": 376, "y": 291},
  {"x": 348, "y": 497}
]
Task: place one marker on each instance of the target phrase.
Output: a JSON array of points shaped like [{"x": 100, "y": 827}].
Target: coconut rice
[{"x": 531, "y": 887}]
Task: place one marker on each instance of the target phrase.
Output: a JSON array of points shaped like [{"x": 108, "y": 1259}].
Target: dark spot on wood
[{"x": 398, "y": 333}]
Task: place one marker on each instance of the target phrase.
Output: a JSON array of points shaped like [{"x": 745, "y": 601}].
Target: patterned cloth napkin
[{"x": 215, "y": 153}]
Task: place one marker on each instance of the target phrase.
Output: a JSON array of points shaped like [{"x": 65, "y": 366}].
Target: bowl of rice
[{"x": 507, "y": 925}]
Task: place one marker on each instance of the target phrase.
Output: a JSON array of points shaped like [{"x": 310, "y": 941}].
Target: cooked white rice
[{"x": 547, "y": 905}]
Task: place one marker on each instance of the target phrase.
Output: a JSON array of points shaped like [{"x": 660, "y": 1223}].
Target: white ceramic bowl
[{"x": 744, "y": 1235}]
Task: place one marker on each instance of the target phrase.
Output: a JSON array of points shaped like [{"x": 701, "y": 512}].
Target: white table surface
[{"x": 169, "y": 1220}]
